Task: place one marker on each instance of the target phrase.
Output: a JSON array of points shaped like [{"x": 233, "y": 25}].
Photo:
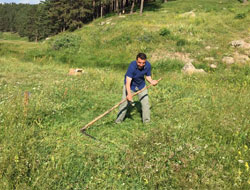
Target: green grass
[
  {"x": 199, "y": 134},
  {"x": 11, "y": 36}
]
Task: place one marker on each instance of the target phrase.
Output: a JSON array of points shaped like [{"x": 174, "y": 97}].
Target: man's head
[{"x": 141, "y": 60}]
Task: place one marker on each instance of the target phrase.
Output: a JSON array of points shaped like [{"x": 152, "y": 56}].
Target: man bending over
[{"x": 134, "y": 81}]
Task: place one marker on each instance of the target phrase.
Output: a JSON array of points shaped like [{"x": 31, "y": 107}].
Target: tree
[
  {"x": 141, "y": 7},
  {"x": 132, "y": 7}
]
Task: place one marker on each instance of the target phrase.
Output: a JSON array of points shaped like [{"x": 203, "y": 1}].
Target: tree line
[{"x": 53, "y": 16}]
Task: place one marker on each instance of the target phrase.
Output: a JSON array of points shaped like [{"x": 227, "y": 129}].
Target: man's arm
[
  {"x": 128, "y": 83},
  {"x": 151, "y": 81}
]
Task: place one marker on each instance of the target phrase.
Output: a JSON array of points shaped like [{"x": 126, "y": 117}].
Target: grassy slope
[{"x": 200, "y": 124}]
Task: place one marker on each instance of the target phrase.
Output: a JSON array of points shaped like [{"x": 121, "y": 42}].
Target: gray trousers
[{"x": 143, "y": 98}]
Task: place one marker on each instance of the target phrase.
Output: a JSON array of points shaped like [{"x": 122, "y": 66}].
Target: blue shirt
[{"x": 137, "y": 75}]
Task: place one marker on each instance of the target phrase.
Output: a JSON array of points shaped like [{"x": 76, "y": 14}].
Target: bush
[
  {"x": 67, "y": 41},
  {"x": 165, "y": 32},
  {"x": 181, "y": 42},
  {"x": 240, "y": 16}
]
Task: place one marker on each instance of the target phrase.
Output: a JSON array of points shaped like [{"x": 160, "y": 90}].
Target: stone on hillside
[
  {"x": 75, "y": 72},
  {"x": 209, "y": 59},
  {"x": 188, "y": 14},
  {"x": 237, "y": 43},
  {"x": 228, "y": 60},
  {"x": 188, "y": 66},
  {"x": 247, "y": 52},
  {"x": 208, "y": 48},
  {"x": 241, "y": 58},
  {"x": 190, "y": 69},
  {"x": 241, "y": 44},
  {"x": 213, "y": 66},
  {"x": 246, "y": 46}
]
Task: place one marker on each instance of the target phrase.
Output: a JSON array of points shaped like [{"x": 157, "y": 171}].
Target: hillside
[{"x": 199, "y": 134}]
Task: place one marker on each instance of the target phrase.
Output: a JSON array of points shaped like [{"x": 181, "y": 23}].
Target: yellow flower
[
  {"x": 239, "y": 153},
  {"x": 247, "y": 166},
  {"x": 16, "y": 159},
  {"x": 246, "y": 147}
]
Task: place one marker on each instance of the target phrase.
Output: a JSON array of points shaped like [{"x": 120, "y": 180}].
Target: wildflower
[
  {"x": 16, "y": 159},
  {"x": 246, "y": 147},
  {"x": 247, "y": 166},
  {"x": 239, "y": 153},
  {"x": 239, "y": 172}
]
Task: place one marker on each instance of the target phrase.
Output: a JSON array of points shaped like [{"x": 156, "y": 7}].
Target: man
[{"x": 134, "y": 81}]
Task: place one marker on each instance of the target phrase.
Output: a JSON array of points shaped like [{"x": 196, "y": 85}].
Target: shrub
[
  {"x": 240, "y": 16},
  {"x": 165, "y": 32},
  {"x": 181, "y": 42},
  {"x": 66, "y": 41}
]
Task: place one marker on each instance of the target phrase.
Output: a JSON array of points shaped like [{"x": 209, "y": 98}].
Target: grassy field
[{"x": 199, "y": 135}]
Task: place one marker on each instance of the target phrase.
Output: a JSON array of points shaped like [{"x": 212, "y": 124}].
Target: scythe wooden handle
[{"x": 111, "y": 109}]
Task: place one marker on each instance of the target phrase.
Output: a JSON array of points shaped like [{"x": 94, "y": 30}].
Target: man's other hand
[{"x": 154, "y": 82}]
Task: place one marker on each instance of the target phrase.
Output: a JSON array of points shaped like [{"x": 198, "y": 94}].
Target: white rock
[
  {"x": 228, "y": 60},
  {"x": 237, "y": 43},
  {"x": 241, "y": 58},
  {"x": 188, "y": 14},
  {"x": 209, "y": 59},
  {"x": 190, "y": 69},
  {"x": 188, "y": 66},
  {"x": 208, "y": 48},
  {"x": 241, "y": 44},
  {"x": 213, "y": 66}
]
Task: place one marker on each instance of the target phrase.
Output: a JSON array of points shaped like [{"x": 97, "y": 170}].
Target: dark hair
[{"x": 142, "y": 56}]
